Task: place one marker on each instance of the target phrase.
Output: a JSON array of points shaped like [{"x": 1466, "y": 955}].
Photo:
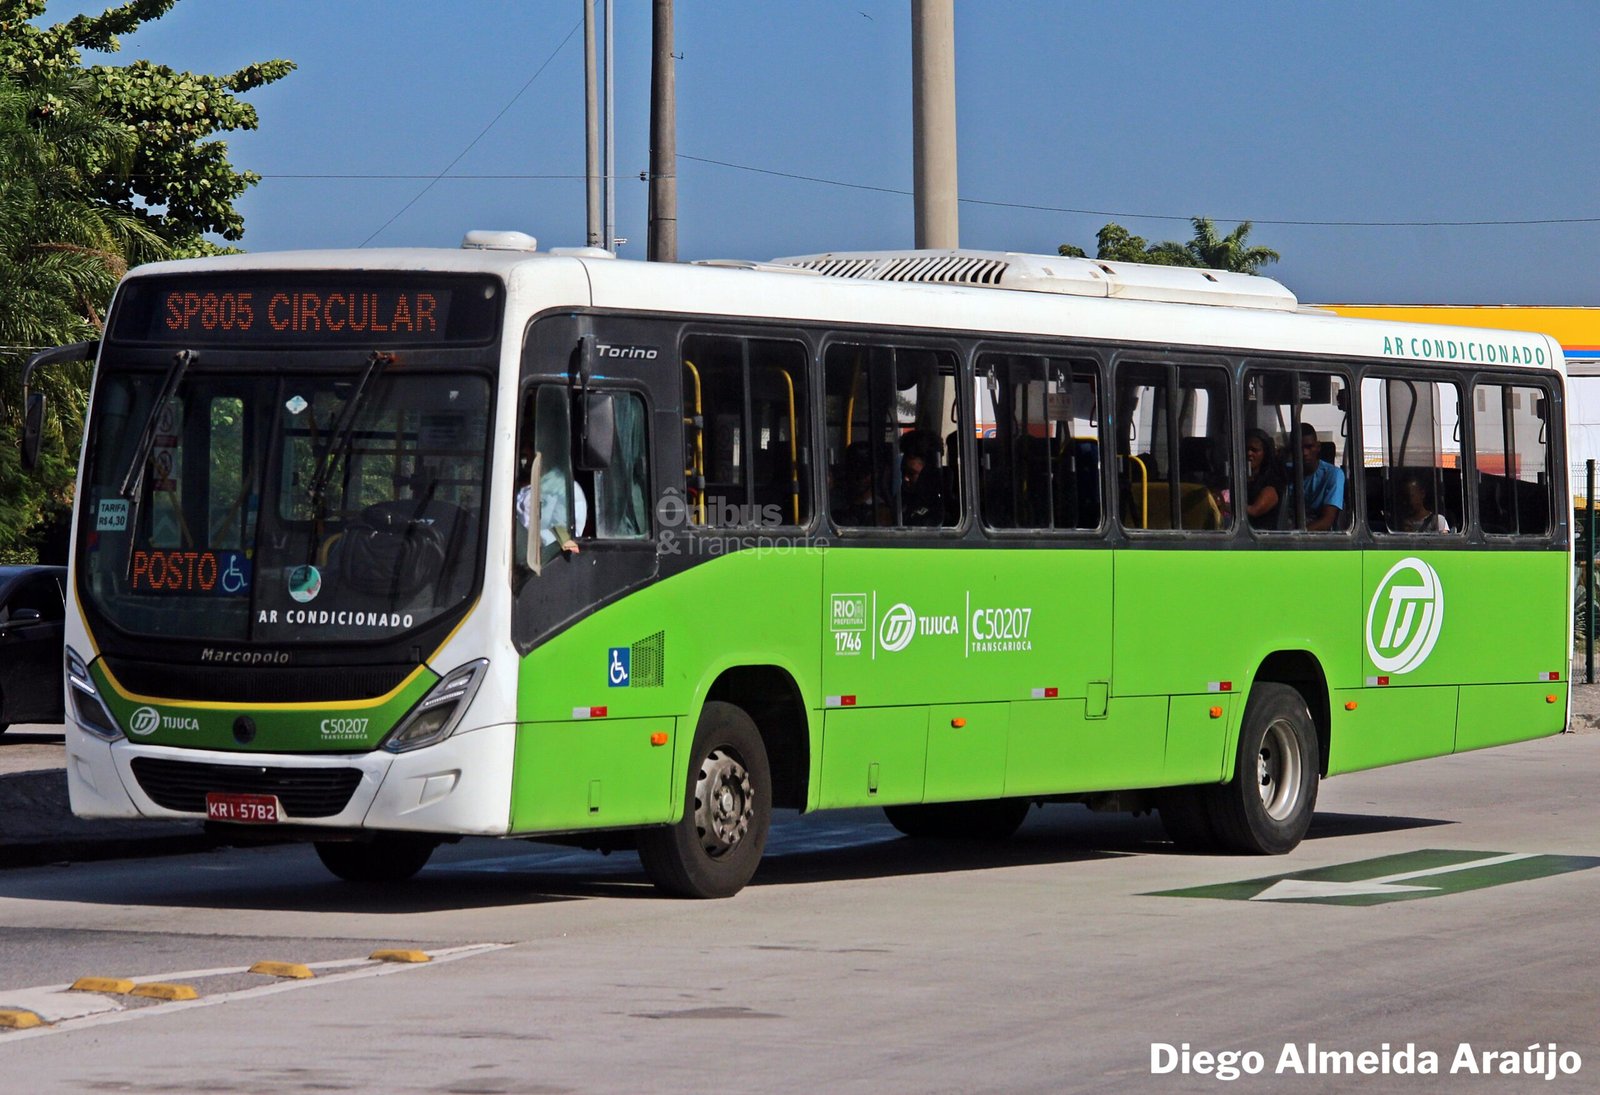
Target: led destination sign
[{"x": 308, "y": 309}]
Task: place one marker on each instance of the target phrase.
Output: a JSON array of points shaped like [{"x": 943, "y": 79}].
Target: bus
[{"x": 381, "y": 549}]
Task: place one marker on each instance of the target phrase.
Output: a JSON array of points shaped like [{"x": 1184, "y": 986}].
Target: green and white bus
[{"x": 385, "y": 548}]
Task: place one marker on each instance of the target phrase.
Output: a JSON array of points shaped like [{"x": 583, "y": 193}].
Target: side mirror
[
  {"x": 599, "y": 431},
  {"x": 32, "y": 430}
]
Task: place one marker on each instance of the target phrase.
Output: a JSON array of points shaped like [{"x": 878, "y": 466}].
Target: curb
[{"x": 37, "y": 827}]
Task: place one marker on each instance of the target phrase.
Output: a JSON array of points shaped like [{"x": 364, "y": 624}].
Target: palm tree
[{"x": 1229, "y": 252}]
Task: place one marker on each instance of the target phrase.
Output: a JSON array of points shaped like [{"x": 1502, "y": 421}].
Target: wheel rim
[
  {"x": 1278, "y": 770},
  {"x": 724, "y": 802}
]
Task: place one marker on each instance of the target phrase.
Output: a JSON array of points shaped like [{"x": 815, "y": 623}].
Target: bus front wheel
[
  {"x": 715, "y": 847},
  {"x": 387, "y": 857},
  {"x": 1266, "y": 808}
]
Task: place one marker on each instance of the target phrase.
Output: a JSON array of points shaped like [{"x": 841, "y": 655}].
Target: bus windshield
[{"x": 273, "y": 505}]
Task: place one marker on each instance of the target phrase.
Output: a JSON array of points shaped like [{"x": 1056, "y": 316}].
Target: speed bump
[
  {"x": 115, "y": 986},
  {"x": 293, "y": 970},
  {"x": 16, "y": 1019},
  {"x": 400, "y": 956},
  {"x": 160, "y": 990}
]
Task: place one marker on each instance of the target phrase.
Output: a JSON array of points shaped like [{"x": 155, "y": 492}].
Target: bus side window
[
  {"x": 1307, "y": 417},
  {"x": 1041, "y": 467},
  {"x": 747, "y": 432},
  {"x": 888, "y": 410},
  {"x": 1512, "y": 459}
]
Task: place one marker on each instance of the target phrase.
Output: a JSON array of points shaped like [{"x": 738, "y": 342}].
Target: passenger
[
  {"x": 1324, "y": 483},
  {"x": 858, "y": 504},
  {"x": 1416, "y": 514},
  {"x": 921, "y": 492},
  {"x": 556, "y": 529},
  {"x": 1265, "y": 489}
]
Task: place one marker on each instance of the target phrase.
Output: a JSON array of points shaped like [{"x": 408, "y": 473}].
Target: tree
[
  {"x": 178, "y": 179},
  {"x": 1227, "y": 252},
  {"x": 1206, "y": 250},
  {"x": 62, "y": 250},
  {"x": 101, "y": 168}
]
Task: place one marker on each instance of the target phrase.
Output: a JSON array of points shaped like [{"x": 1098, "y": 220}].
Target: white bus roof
[{"x": 1024, "y": 295}]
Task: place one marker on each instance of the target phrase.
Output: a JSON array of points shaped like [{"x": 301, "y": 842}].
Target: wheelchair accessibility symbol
[{"x": 617, "y": 672}]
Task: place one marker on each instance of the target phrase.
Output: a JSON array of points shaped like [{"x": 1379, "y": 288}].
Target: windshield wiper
[
  {"x": 133, "y": 478},
  {"x": 131, "y": 489},
  {"x": 344, "y": 430}
]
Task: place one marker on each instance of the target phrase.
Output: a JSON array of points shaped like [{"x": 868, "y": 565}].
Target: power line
[
  {"x": 1149, "y": 216},
  {"x": 482, "y": 133}
]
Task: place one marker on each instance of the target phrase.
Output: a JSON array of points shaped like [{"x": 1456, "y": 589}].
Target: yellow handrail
[
  {"x": 794, "y": 444},
  {"x": 697, "y": 472},
  {"x": 1144, "y": 508}
]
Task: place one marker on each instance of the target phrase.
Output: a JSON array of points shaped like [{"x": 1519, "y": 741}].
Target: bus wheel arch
[
  {"x": 1301, "y": 671},
  {"x": 770, "y": 696}
]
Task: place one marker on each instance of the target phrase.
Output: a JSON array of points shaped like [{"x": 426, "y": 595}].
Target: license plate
[{"x": 244, "y": 809}]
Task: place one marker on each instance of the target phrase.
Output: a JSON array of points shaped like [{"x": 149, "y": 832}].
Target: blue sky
[{"x": 1069, "y": 114}]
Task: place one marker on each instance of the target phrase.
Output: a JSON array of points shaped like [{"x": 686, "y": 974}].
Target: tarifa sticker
[
  {"x": 296, "y": 404},
  {"x": 1405, "y": 617},
  {"x": 305, "y": 582}
]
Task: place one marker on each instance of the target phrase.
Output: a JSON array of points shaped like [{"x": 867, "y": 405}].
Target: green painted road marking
[{"x": 1404, "y": 877}]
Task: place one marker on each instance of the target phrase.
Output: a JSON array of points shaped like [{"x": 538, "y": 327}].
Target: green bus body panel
[
  {"x": 939, "y": 675},
  {"x": 591, "y": 773},
  {"x": 340, "y": 727},
  {"x": 755, "y": 607}
]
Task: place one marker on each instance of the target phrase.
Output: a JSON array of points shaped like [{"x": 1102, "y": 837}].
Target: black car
[{"x": 32, "y": 619}]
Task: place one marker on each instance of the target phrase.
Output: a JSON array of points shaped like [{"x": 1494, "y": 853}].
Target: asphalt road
[{"x": 858, "y": 961}]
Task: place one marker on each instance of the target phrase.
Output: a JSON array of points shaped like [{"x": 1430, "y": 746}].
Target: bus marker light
[
  {"x": 1219, "y": 686},
  {"x": 588, "y": 712},
  {"x": 161, "y": 990},
  {"x": 958, "y": 723},
  {"x": 1046, "y": 693},
  {"x": 1216, "y": 712},
  {"x": 841, "y": 701},
  {"x": 1549, "y": 676},
  {"x": 1550, "y": 699},
  {"x": 1350, "y": 705},
  {"x": 658, "y": 738},
  {"x": 1377, "y": 682},
  {"x": 114, "y": 985}
]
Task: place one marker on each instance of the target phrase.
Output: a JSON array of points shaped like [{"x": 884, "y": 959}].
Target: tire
[
  {"x": 1266, "y": 808},
  {"x": 1186, "y": 816},
  {"x": 715, "y": 847},
  {"x": 387, "y": 857},
  {"x": 990, "y": 820}
]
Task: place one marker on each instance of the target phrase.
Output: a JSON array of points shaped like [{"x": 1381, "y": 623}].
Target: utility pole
[
  {"x": 591, "y": 128},
  {"x": 610, "y": 218},
  {"x": 663, "y": 139},
  {"x": 933, "y": 120}
]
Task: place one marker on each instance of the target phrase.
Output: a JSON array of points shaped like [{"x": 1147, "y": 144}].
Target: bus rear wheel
[
  {"x": 992, "y": 820},
  {"x": 387, "y": 857},
  {"x": 1266, "y": 808},
  {"x": 715, "y": 847}
]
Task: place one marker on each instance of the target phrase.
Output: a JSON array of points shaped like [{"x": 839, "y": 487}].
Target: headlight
[
  {"x": 435, "y": 717},
  {"x": 90, "y": 709}
]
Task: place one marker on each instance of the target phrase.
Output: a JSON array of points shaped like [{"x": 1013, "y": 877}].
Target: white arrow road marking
[
  {"x": 74, "y": 1010},
  {"x": 1292, "y": 889}
]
